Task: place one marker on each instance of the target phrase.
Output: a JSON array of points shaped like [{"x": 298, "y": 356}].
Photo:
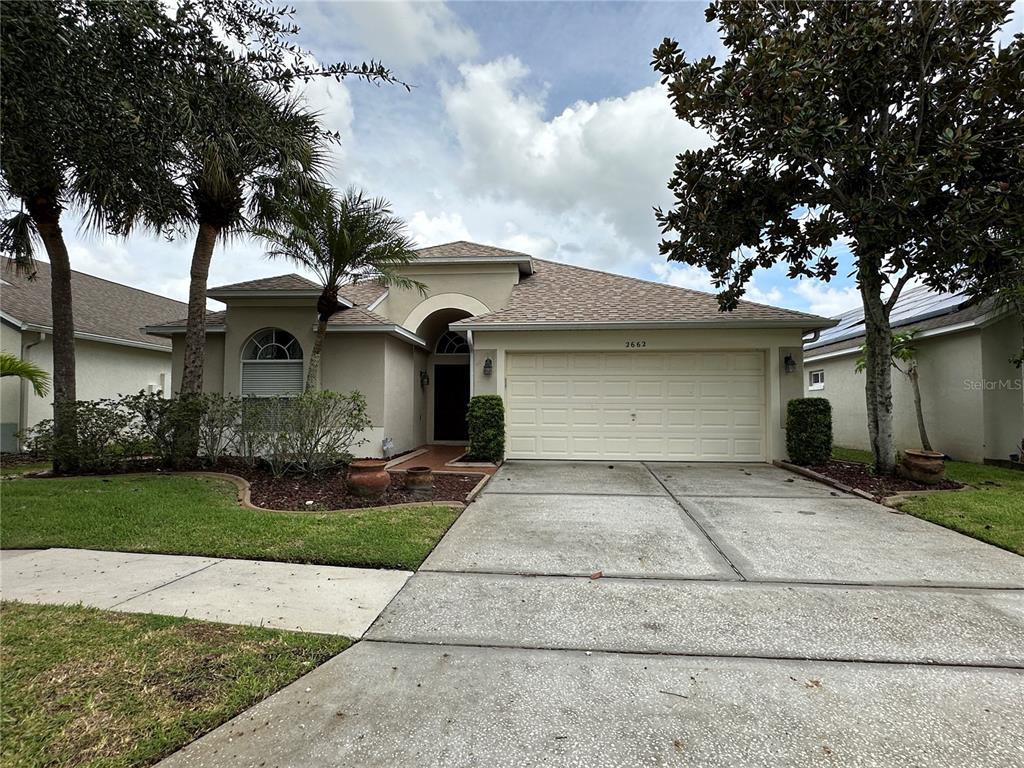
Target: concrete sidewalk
[{"x": 306, "y": 598}]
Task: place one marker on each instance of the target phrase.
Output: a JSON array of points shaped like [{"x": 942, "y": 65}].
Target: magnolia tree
[{"x": 895, "y": 127}]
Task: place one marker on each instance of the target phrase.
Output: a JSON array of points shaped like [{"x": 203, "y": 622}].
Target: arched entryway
[{"x": 448, "y": 367}]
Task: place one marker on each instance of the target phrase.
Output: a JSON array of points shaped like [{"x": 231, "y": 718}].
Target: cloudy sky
[{"x": 533, "y": 126}]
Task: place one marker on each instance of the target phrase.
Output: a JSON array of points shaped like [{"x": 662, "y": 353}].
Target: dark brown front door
[{"x": 451, "y": 397}]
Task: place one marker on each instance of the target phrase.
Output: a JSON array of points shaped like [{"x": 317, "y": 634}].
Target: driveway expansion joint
[
  {"x": 591, "y": 650},
  {"x": 694, "y": 520},
  {"x": 781, "y": 583}
]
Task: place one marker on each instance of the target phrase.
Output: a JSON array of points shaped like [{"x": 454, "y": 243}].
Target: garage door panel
[{"x": 675, "y": 406}]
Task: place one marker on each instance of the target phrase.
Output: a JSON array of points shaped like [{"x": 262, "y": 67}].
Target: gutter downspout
[{"x": 24, "y": 389}]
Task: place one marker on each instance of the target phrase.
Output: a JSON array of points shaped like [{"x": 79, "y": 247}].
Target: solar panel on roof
[{"x": 915, "y": 305}]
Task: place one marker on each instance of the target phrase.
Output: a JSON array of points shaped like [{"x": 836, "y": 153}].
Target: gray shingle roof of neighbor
[
  {"x": 101, "y": 307},
  {"x": 563, "y": 294},
  {"x": 919, "y": 308}
]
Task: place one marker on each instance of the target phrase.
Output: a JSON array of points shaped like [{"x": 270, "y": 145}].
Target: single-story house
[
  {"x": 590, "y": 365},
  {"x": 112, "y": 354},
  {"x": 972, "y": 395}
]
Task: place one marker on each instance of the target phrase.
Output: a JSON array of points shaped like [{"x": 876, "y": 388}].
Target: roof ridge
[{"x": 475, "y": 244}]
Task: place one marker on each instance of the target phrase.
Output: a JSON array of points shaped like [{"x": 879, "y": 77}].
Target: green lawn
[
  {"x": 200, "y": 516},
  {"x": 992, "y": 510},
  {"x": 85, "y": 687},
  {"x": 18, "y": 468}
]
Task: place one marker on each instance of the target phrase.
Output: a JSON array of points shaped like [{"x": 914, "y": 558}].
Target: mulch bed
[
  {"x": 860, "y": 476},
  {"x": 330, "y": 491}
]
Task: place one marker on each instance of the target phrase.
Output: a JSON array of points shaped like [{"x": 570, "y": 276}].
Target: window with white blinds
[{"x": 272, "y": 365}]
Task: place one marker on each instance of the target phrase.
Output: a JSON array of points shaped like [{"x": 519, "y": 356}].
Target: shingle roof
[
  {"x": 292, "y": 282},
  {"x": 360, "y": 294},
  {"x": 463, "y": 249},
  {"x": 101, "y": 307},
  {"x": 561, "y": 293}
]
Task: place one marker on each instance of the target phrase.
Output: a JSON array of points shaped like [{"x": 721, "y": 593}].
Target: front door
[{"x": 451, "y": 397}]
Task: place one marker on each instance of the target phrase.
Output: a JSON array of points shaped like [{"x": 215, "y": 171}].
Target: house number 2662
[{"x": 636, "y": 344}]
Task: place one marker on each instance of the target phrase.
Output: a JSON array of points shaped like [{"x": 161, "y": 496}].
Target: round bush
[{"x": 809, "y": 430}]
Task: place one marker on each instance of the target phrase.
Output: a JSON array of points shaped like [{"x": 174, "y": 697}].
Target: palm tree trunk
[
  {"x": 47, "y": 218},
  {"x": 195, "y": 330},
  {"x": 313, "y": 372},
  {"x": 878, "y": 369},
  {"x": 912, "y": 374}
]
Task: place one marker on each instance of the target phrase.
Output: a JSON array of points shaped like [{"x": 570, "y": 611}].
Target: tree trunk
[
  {"x": 313, "y": 373},
  {"x": 878, "y": 368},
  {"x": 47, "y": 218},
  {"x": 912, "y": 374},
  {"x": 195, "y": 330}
]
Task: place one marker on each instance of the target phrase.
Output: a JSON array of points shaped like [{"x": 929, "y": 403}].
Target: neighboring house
[
  {"x": 972, "y": 395},
  {"x": 112, "y": 354},
  {"x": 590, "y": 365}
]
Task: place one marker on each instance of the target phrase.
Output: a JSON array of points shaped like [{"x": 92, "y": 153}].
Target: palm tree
[
  {"x": 341, "y": 240},
  {"x": 11, "y": 365},
  {"x": 250, "y": 149}
]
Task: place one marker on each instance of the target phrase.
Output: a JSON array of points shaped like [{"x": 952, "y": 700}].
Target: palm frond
[
  {"x": 18, "y": 240},
  {"x": 32, "y": 373}
]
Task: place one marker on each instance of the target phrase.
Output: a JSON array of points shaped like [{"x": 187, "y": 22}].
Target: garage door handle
[{"x": 633, "y": 417}]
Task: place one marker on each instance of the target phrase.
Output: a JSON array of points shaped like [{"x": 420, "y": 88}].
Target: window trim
[
  {"x": 297, "y": 361},
  {"x": 813, "y": 385}
]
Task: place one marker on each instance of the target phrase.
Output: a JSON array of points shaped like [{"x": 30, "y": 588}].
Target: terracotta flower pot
[
  {"x": 420, "y": 481},
  {"x": 926, "y": 467},
  {"x": 368, "y": 477}
]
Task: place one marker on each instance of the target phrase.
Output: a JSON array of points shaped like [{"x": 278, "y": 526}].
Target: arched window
[
  {"x": 452, "y": 343},
  {"x": 272, "y": 364}
]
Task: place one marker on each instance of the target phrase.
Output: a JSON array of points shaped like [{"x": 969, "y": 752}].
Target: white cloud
[
  {"x": 683, "y": 276},
  {"x": 434, "y": 230},
  {"x": 407, "y": 34},
  {"x": 826, "y": 300},
  {"x": 610, "y": 158}
]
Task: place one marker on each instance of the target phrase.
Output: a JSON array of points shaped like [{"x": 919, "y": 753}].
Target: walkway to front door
[{"x": 610, "y": 614}]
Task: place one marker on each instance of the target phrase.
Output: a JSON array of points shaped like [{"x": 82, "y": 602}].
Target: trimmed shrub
[
  {"x": 308, "y": 434},
  {"x": 159, "y": 419},
  {"x": 809, "y": 430},
  {"x": 486, "y": 417}
]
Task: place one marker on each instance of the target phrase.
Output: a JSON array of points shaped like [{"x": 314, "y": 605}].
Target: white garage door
[{"x": 707, "y": 406}]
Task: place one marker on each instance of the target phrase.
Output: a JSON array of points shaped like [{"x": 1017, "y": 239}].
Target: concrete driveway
[{"x": 740, "y": 615}]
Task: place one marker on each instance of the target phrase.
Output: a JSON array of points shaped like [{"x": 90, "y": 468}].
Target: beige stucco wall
[
  {"x": 1003, "y": 388},
  {"x": 490, "y": 284},
  {"x": 102, "y": 370},
  {"x": 953, "y": 412},
  {"x": 405, "y": 419},
  {"x": 779, "y": 386},
  {"x": 213, "y": 371}
]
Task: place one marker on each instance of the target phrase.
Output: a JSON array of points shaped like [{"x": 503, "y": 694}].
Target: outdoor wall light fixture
[
  {"x": 790, "y": 363},
  {"x": 424, "y": 379},
  {"x": 488, "y": 367}
]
